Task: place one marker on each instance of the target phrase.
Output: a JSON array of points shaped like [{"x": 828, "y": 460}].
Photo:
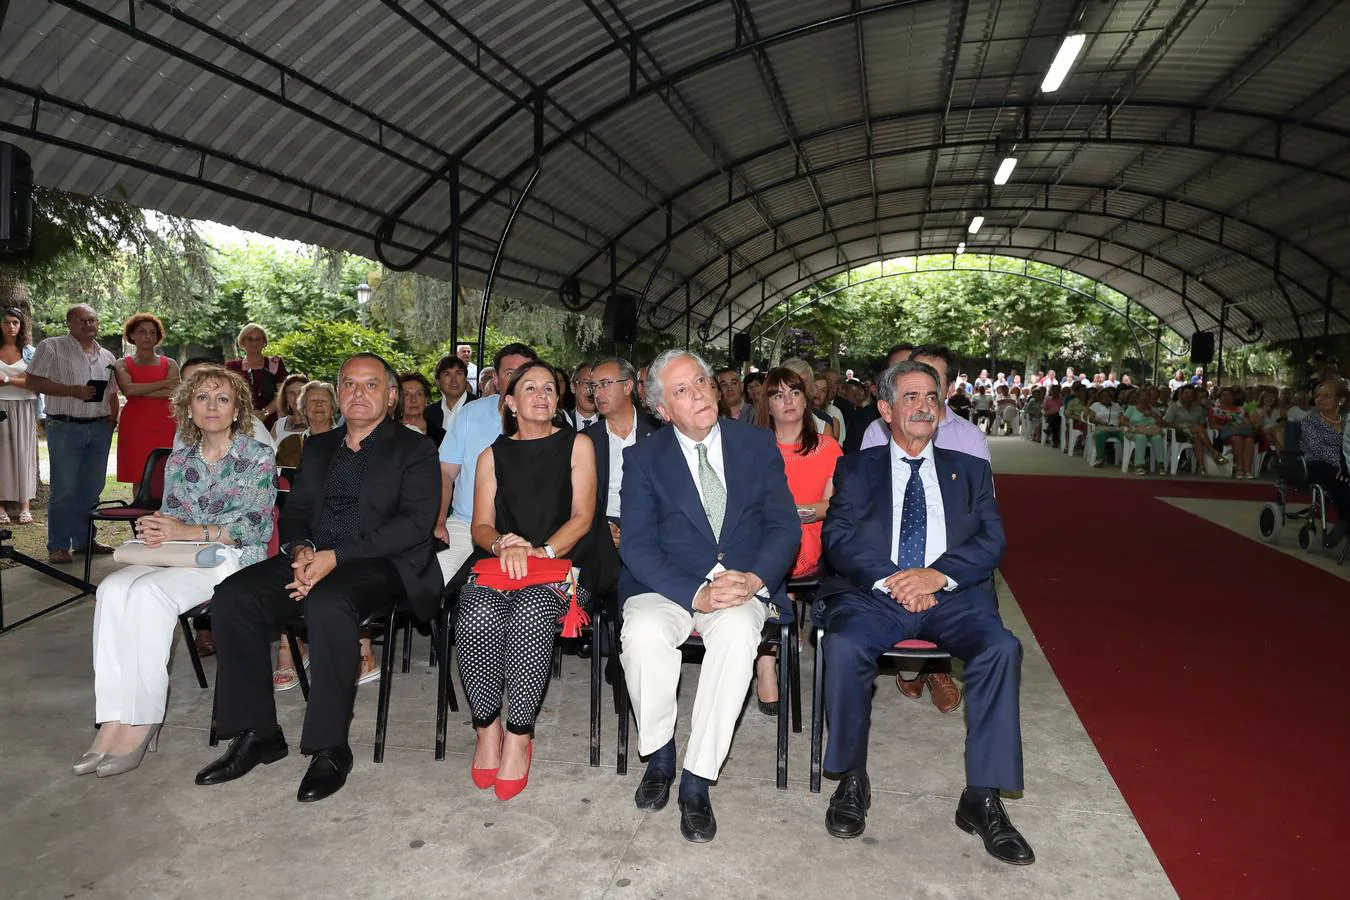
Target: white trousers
[
  {"x": 461, "y": 546},
  {"x": 135, "y": 617},
  {"x": 653, "y": 629}
]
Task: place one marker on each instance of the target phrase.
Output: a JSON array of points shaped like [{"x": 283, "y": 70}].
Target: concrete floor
[{"x": 415, "y": 827}]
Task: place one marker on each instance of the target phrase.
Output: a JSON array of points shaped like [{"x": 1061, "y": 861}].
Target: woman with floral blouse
[{"x": 219, "y": 486}]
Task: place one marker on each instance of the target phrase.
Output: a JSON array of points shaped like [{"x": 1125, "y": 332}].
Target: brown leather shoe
[
  {"x": 913, "y": 689},
  {"x": 59, "y": 557},
  {"x": 100, "y": 549},
  {"x": 945, "y": 693},
  {"x": 206, "y": 644}
]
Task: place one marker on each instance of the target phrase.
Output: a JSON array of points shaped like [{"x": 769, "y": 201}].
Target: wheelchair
[{"x": 1291, "y": 477}]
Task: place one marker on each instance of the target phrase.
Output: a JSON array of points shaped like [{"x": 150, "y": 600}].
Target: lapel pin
[{"x": 953, "y": 476}]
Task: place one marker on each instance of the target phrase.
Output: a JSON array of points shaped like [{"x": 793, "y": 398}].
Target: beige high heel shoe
[
  {"x": 119, "y": 765},
  {"x": 86, "y": 764}
]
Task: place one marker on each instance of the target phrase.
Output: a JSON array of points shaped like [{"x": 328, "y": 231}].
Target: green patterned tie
[{"x": 714, "y": 493}]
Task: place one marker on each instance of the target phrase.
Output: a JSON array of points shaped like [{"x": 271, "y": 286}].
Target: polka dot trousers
[{"x": 506, "y": 647}]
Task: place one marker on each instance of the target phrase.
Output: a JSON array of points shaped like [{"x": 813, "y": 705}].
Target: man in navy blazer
[
  {"x": 710, "y": 531},
  {"x": 914, "y": 535}
]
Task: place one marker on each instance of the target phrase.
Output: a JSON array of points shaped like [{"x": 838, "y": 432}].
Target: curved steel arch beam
[
  {"x": 872, "y": 157},
  {"x": 675, "y": 234},
  {"x": 636, "y": 94},
  {"x": 875, "y": 257},
  {"x": 1068, "y": 254},
  {"x": 908, "y": 272},
  {"x": 1053, "y": 210}
]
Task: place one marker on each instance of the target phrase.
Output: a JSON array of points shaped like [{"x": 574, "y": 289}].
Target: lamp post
[{"x": 363, "y": 293}]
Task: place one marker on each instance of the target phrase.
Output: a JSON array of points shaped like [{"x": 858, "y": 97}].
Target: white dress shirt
[
  {"x": 581, "y": 422},
  {"x": 448, "y": 413},
  {"x": 616, "y": 445},
  {"x": 690, "y": 450},
  {"x": 935, "y": 540}
]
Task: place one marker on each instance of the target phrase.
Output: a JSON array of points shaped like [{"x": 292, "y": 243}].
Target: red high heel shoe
[
  {"x": 509, "y": 787},
  {"x": 486, "y": 778}
]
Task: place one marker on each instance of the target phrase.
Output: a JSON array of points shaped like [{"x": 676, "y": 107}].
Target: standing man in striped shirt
[{"x": 75, "y": 374}]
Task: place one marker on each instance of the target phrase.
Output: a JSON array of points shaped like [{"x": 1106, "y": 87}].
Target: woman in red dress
[
  {"x": 147, "y": 380},
  {"x": 809, "y": 458}
]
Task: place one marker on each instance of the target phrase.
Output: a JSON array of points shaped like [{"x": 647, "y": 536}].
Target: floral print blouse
[
  {"x": 1319, "y": 441},
  {"x": 238, "y": 492}
]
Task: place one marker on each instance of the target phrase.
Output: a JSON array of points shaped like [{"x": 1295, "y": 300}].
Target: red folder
[{"x": 488, "y": 573}]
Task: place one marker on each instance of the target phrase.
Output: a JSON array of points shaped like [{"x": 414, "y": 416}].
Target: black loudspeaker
[
  {"x": 740, "y": 347},
  {"x": 1202, "y": 348},
  {"x": 621, "y": 315},
  {"x": 16, "y": 199}
]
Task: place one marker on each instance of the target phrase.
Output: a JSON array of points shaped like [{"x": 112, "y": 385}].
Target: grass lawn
[{"x": 32, "y": 539}]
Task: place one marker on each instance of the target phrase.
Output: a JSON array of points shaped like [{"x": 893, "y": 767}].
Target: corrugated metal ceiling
[{"x": 1197, "y": 158}]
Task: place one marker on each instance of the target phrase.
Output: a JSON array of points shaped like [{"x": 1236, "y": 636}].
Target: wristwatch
[{"x": 549, "y": 551}]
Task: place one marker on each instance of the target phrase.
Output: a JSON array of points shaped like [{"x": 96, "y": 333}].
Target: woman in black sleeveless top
[{"x": 534, "y": 497}]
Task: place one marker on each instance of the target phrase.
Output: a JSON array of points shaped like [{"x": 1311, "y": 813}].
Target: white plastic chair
[
  {"x": 1127, "y": 453},
  {"x": 1090, "y": 444}
]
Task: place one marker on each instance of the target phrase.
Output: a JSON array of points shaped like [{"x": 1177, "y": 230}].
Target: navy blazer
[
  {"x": 668, "y": 546},
  {"x": 857, "y": 531}
]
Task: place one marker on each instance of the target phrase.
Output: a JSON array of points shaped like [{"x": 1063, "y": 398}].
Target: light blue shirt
[{"x": 474, "y": 429}]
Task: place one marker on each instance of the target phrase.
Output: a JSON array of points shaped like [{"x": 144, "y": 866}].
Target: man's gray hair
[
  {"x": 626, "y": 371},
  {"x": 655, "y": 393},
  {"x": 886, "y": 389}
]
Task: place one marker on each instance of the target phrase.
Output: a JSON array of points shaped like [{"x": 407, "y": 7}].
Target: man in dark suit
[
  {"x": 613, "y": 384},
  {"x": 709, "y": 533},
  {"x": 356, "y": 537},
  {"x": 452, "y": 377},
  {"x": 914, "y": 534}
]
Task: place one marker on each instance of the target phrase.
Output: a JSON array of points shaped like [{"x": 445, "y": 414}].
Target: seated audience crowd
[{"x": 669, "y": 500}]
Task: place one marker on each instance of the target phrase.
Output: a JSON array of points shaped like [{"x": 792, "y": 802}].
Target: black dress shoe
[
  {"x": 847, "y": 815},
  {"x": 983, "y": 814},
  {"x": 246, "y": 752},
  {"x": 697, "y": 823},
  {"x": 653, "y": 793},
  {"x": 326, "y": 775}
]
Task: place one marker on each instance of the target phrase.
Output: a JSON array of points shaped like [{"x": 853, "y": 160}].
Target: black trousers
[{"x": 246, "y": 610}]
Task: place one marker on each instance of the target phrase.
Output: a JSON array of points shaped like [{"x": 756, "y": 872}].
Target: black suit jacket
[
  {"x": 607, "y": 558},
  {"x": 399, "y": 501}
]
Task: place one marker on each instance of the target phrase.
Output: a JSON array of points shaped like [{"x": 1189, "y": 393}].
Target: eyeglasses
[{"x": 604, "y": 385}]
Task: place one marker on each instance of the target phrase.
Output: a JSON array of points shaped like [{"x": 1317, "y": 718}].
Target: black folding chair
[
  {"x": 149, "y": 496},
  {"x": 781, "y": 634},
  {"x": 446, "y": 690},
  {"x": 904, "y": 650}
]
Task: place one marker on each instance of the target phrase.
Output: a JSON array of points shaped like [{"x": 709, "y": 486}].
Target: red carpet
[{"x": 1212, "y": 673}]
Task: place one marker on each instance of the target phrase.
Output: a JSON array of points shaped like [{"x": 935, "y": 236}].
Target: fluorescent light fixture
[
  {"x": 1064, "y": 59},
  {"x": 1005, "y": 170},
  {"x": 976, "y": 224},
  {"x": 960, "y": 248}
]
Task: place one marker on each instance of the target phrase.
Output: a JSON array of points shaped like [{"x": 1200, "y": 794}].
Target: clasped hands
[
  {"x": 310, "y": 566},
  {"x": 916, "y": 589},
  {"x": 728, "y": 588},
  {"x": 157, "y": 528},
  {"x": 514, "y": 552}
]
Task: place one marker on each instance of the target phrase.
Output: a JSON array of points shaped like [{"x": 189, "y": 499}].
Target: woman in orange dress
[
  {"x": 147, "y": 380},
  {"x": 808, "y": 459}
]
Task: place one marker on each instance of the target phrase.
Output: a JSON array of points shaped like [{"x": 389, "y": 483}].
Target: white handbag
[{"x": 180, "y": 554}]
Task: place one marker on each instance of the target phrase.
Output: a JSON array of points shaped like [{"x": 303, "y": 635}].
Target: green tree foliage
[
  {"x": 319, "y": 347},
  {"x": 975, "y": 305}
]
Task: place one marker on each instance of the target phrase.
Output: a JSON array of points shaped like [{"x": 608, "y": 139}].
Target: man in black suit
[
  {"x": 613, "y": 383},
  {"x": 356, "y": 537},
  {"x": 452, "y": 377}
]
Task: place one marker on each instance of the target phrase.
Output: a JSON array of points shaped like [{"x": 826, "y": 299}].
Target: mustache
[{"x": 922, "y": 417}]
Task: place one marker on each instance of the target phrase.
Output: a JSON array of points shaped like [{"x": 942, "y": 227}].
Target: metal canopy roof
[{"x": 717, "y": 155}]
